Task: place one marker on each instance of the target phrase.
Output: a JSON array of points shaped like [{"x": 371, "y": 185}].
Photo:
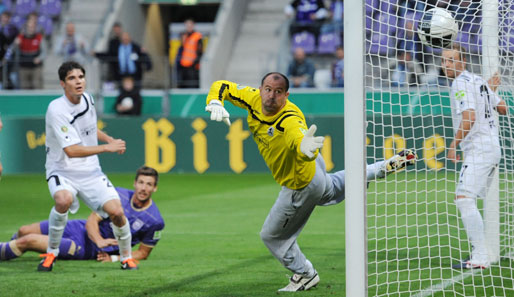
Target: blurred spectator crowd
[
  {"x": 395, "y": 55},
  {"x": 25, "y": 27}
]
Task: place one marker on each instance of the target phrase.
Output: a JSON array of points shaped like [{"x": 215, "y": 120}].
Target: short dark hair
[
  {"x": 67, "y": 67},
  {"x": 277, "y": 75},
  {"x": 148, "y": 171}
]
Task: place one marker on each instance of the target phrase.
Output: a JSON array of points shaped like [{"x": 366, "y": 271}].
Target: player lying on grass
[
  {"x": 291, "y": 152},
  {"x": 94, "y": 239}
]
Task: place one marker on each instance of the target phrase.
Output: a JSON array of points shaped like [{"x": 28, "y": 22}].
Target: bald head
[{"x": 277, "y": 76}]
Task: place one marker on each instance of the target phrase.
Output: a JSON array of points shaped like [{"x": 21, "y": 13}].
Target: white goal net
[{"x": 414, "y": 228}]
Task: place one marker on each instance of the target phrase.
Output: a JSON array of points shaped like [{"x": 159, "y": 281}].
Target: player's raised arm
[
  {"x": 494, "y": 82},
  {"x": 311, "y": 144},
  {"x": 240, "y": 96},
  {"x": 501, "y": 108},
  {"x": 218, "y": 92},
  {"x": 301, "y": 139}
]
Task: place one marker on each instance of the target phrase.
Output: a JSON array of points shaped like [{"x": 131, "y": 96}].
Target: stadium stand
[{"x": 393, "y": 24}]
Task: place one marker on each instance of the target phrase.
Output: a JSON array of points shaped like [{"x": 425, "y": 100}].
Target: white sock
[
  {"x": 375, "y": 170},
  {"x": 56, "y": 223},
  {"x": 474, "y": 225},
  {"x": 124, "y": 238}
]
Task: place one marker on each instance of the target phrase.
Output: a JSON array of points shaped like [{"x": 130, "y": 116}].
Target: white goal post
[{"x": 403, "y": 233}]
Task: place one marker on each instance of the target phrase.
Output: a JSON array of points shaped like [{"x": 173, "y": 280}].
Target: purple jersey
[
  {"x": 146, "y": 223},
  {"x": 75, "y": 244}
]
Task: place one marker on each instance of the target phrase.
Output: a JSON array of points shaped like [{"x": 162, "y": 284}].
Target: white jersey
[
  {"x": 470, "y": 91},
  {"x": 68, "y": 124}
]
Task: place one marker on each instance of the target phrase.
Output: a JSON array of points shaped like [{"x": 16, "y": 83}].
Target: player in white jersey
[
  {"x": 476, "y": 131},
  {"x": 72, "y": 166}
]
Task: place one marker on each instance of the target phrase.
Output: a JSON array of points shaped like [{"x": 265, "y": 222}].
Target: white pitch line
[{"x": 445, "y": 284}]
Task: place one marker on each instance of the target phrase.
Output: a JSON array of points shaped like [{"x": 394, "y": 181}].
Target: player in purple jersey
[{"x": 93, "y": 239}]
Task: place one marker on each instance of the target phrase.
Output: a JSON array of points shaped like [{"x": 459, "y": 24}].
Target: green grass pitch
[{"x": 211, "y": 244}]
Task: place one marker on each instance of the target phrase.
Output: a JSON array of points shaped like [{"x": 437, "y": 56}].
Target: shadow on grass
[{"x": 174, "y": 285}]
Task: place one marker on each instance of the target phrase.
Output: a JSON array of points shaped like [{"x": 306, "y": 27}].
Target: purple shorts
[{"x": 75, "y": 244}]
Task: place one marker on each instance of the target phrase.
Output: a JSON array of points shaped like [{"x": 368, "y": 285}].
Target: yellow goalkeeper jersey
[{"x": 278, "y": 137}]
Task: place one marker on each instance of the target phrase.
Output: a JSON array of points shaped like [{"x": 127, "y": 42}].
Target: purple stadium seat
[
  {"x": 463, "y": 39},
  {"x": 371, "y": 7},
  {"x": 388, "y": 6},
  {"x": 46, "y": 24},
  {"x": 328, "y": 43},
  {"x": 304, "y": 40},
  {"x": 507, "y": 33},
  {"x": 468, "y": 41},
  {"x": 385, "y": 23},
  {"x": 24, "y": 7},
  {"x": 51, "y": 8},
  {"x": 18, "y": 21},
  {"x": 369, "y": 24},
  {"x": 410, "y": 16},
  {"x": 381, "y": 44},
  {"x": 9, "y": 5}
]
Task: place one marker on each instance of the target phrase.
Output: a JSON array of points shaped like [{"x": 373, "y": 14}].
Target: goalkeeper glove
[
  {"x": 218, "y": 112},
  {"x": 309, "y": 143}
]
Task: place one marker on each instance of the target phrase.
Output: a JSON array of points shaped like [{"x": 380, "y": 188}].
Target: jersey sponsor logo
[
  {"x": 64, "y": 129},
  {"x": 138, "y": 224},
  {"x": 73, "y": 249},
  {"x": 459, "y": 95},
  {"x": 271, "y": 131},
  {"x": 262, "y": 141},
  {"x": 88, "y": 130},
  {"x": 157, "y": 235}
]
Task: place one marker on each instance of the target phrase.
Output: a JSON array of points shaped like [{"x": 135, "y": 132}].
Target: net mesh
[{"x": 415, "y": 233}]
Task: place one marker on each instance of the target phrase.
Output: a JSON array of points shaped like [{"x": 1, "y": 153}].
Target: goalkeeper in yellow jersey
[{"x": 291, "y": 152}]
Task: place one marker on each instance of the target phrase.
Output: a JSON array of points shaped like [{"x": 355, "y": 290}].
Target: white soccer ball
[
  {"x": 127, "y": 102},
  {"x": 437, "y": 28}
]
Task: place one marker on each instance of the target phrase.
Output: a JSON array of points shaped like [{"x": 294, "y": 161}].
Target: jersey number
[
  {"x": 484, "y": 91},
  {"x": 485, "y": 94}
]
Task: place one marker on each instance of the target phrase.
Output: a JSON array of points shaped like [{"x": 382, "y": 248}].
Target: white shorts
[
  {"x": 475, "y": 179},
  {"x": 94, "y": 190}
]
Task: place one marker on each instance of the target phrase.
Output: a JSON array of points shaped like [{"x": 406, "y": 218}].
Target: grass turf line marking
[{"x": 443, "y": 285}]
